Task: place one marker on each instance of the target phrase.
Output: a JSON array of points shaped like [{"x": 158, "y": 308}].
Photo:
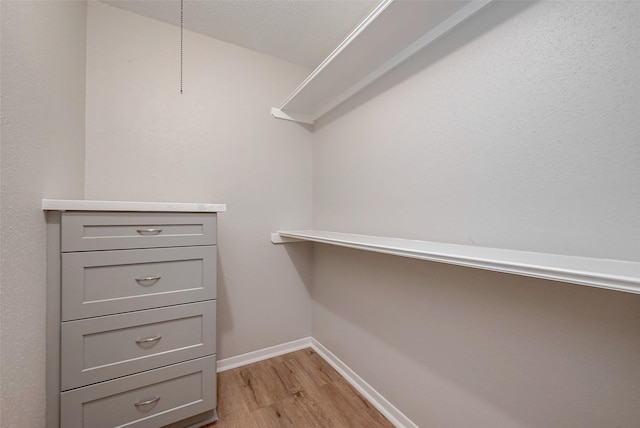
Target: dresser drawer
[
  {"x": 109, "y": 282},
  {"x": 173, "y": 393},
  {"x": 98, "y": 349},
  {"x": 88, "y": 231}
]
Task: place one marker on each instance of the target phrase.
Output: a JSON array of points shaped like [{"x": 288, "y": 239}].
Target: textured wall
[
  {"x": 43, "y": 69},
  {"x": 519, "y": 134},
  {"x": 215, "y": 143},
  {"x": 518, "y": 130}
]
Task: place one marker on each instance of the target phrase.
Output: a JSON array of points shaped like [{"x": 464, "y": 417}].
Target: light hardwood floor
[{"x": 299, "y": 390}]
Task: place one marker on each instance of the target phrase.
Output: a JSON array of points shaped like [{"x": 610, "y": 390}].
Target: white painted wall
[
  {"x": 43, "y": 90},
  {"x": 522, "y": 137},
  {"x": 519, "y": 130},
  {"x": 215, "y": 143}
]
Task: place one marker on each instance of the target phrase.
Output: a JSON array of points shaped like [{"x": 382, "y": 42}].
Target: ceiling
[{"x": 303, "y": 32}]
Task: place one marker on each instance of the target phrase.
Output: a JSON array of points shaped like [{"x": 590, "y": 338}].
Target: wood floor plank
[
  {"x": 273, "y": 416},
  {"x": 350, "y": 402},
  {"x": 239, "y": 419},
  {"x": 261, "y": 386},
  {"x": 286, "y": 375},
  {"x": 253, "y": 394},
  {"x": 307, "y": 412},
  {"x": 230, "y": 398},
  {"x": 299, "y": 389},
  {"x": 322, "y": 365},
  {"x": 310, "y": 387},
  {"x": 320, "y": 373},
  {"x": 280, "y": 385}
]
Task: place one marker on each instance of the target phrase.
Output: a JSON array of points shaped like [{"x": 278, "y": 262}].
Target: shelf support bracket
[
  {"x": 277, "y": 239},
  {"x": 294, "y": 117}
]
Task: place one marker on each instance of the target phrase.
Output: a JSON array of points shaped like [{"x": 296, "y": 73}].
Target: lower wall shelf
[{"x": 616, "y": 275}]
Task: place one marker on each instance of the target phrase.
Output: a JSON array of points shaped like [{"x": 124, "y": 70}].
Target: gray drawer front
[
  {"x": 184, "y": 389},
  {"x": 109, "y": 282},
  {"x": 102, "y": 348},
  {"x": 87, "y": 231}
]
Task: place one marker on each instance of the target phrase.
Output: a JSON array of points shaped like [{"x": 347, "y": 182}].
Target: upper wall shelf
[
  {"x": 602, "y": 273},
  {"x": 391, "y": 33}
]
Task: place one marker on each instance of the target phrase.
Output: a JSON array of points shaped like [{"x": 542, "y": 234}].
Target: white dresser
[{"x": 131, "y": 314}]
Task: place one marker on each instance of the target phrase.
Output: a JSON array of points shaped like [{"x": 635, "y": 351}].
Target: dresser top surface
[{"x": 90, "y": 205}]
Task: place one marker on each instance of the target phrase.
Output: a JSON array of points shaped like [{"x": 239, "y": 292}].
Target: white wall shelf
[
  {"x": 390, "y": 34},
  {"x": 602, "y": 273}
]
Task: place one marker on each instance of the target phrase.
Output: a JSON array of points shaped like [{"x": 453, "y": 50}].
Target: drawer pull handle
[
  {"x": 147, "y": 402},
  {"x": 148, "y": 280},
  {"x": 148, "y": 340},
  {"x": 149, "y": 231}
]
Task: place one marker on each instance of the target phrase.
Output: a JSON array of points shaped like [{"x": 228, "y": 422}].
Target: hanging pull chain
[{"x": 181, "y": 40}]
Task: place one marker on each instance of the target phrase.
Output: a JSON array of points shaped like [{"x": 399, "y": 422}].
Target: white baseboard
[
  {"x": 262, "y": 354},
  {"x": 395, "y": 416}
]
